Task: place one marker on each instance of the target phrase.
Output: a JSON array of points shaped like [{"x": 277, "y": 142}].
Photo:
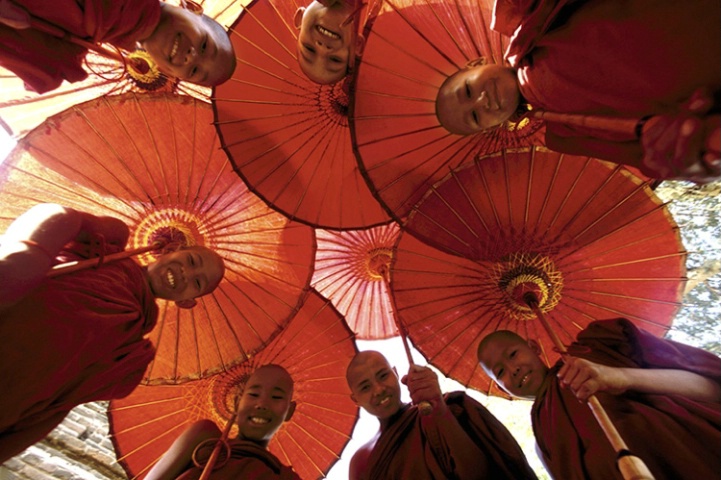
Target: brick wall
[{"x": 79, "y": 448}]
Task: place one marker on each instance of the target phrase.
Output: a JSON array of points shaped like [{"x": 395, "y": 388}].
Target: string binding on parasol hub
[
  {"x": 522, "y": 276},
  {"x": 378, "y": 262},
  {"x": 333, "y": 101},
  {"x": 144, "y": 73},
  {"x": 174, "y": 228}
]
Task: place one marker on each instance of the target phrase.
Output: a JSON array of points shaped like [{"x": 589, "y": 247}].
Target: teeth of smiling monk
[
  {"x": 524, "y": 379},
  {"x": 174, "y": 50},
  {"x": 170, "y": 277},
  {"x": 327, "y": 32},
  {"x": 384, "y": 401},
  {"x": 259, "y": 421}
]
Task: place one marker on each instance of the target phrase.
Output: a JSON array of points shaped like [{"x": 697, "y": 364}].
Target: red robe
[
  {"x": 43, "y": 61},
  {"x": 627, "y": 58},
  {"x": 248, "y": 461},
  {"x": 676, "y": 437},
  {"x": 411, "y": 447},
  {"x": 77, "y": 338}
]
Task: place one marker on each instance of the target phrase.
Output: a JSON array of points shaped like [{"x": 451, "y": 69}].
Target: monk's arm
[
  {"x": 179, "y": 456},
  {"x": 29, "y": 246},
  {"x": 585, "y": 378}
]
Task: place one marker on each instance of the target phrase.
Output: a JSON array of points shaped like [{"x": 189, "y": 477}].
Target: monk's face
[
  {"x": 477, "y": 98},
  {"x": 374, "y": 385},
  {"x": 265, "y": 404},
  {"x": 515, "y": 365},
  {"x": 326, "y": 41},
  {"x": 191, "y": 46},
  {"x": 185, "y": 274}
]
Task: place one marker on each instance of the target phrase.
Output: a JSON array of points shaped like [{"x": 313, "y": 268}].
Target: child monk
[
  {"x": 605, "y": 58},
  {"x": 663, "y": 397},
  {"x": 266, "y": 402},
  {"x": 79, "y": 337},
  {"x": 328, "y": 39},
  {"x": 183, "y": 42},
  {"x": 458, "y": 438}
]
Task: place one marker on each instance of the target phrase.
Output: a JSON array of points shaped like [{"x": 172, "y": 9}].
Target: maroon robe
[
  {"x": 412, "y": 447},
  {"x": 248, "y": 461},
  {"x": 77, "y": 338},
  {"x": 43, "y": 61},
  {"x": 677, "y": 438},
  {"x": 623, "y": 58}
]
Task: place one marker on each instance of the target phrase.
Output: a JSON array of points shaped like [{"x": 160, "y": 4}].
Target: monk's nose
[{"x": 190, "y": 55}]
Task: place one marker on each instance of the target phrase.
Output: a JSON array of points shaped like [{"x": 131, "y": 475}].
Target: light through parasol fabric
[
  {"x": 590, "y": 240},
  {"x": 411, "y": 48},
  {"x": 349, "y": 270},
  {"x": 288, "y": 137},
  {"x": 154, "y": 162},
  {"x": 22, "y": 110},
  {"x": 315, "y": 348}
]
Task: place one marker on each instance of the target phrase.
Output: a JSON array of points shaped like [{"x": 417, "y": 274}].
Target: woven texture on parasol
[
  {"x": 411, "y": 48},
  {"x": 154, "y": 162},
  {"x": 349, "y": 270},
  {"x": 590, "y": 240},
  {"x": 314, "y": 348},
  {"x": 23, "y": 110},
  {"x": 288, "y": 137}
]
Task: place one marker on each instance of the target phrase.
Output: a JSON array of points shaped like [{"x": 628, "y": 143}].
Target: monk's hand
[
  {"x": 423, "y": 386},
  {"x": 585, "y": 378},
  {"x": 685, "y": 145}
]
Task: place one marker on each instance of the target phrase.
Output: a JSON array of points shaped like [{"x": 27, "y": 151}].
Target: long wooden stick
[
  {"x": 219, "y": 444},
  {"x": 630, "y": 466},
  {"x": 629, "y": 126},
  {"x": 69, "y": 267}
]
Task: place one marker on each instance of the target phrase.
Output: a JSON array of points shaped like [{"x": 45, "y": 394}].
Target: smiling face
[
  {"x": 326, "y": 41},
  {"x": 265, "y": 404},
  {"x": 513, "y": 363},
  {"x": 191, "y": 47},
  {"x": 374, "y": 384},
  {"x": 185, "y": 274},
  {"x": 476, "y": 98}
]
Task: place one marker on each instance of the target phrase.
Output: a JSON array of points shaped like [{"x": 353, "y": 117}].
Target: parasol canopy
[
  {"x": 22, "y": 110},
  {"x": 315, "y": 348},
  {"x": 349, "y": 271},
  {"x": 411, "y": 48},
  {"x": 288, "y": 137},
  {"x": 154, "y": 161},
  {"x": 588, "y": 238}
]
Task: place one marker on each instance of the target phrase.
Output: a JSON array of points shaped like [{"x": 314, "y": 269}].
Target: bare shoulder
[{"x": 359, "y": 462}]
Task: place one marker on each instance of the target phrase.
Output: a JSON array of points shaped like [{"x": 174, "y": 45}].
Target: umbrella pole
[
  {"x": 629, "y": 126},
  {"x": 425, "y": 408},
  {"x": 630, "y": 466},
  {"x": 219, "y": 444},
  {"x": 69, "y": 267}
]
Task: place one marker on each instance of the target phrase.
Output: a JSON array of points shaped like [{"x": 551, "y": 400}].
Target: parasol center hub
[
  {"x": 174, "y": 227},
  {"x": 143, "y": 71},
  {"x": 526, "y": 279},
  {"x": 378, "y": 263},
  {"x": 333, "y": 102}
]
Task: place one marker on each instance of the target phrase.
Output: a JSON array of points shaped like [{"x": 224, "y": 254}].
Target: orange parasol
[
  {"x": 154, "y": 161},
  {"x": 315, "y": 348},
  {"x": 349, "y": 271},
  {"x": 22, "y": 110},
  {"x": 592, "y": 241},
  {"x": 288, "y": 137},
  {"x": 411, "y": 48}
]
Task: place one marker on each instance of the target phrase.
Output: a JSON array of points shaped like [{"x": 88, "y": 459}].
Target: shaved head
[
  {"x": 494, "y": 337},
  {"x": 279, "y": 373},
  {"x": 361, "y": 360}
]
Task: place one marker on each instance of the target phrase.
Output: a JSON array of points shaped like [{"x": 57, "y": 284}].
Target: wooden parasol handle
[
  {"x": 630, "y": 466},
  {"x": 630, "y": 126},
  {"x": 220, "y": 443},
  {"x": 424, "y": 407},
  {"x": 69, "y": 267}
]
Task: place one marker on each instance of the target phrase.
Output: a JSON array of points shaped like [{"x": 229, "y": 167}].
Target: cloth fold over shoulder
[{"x": 43, "y": 61}]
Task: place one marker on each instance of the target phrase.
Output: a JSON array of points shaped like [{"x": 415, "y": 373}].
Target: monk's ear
[
  {"x": 190, "y": 303},
  {"x": 360, "y": 43},
  {"x": 534, "y": 346},
  {"x": 477, "y": 62},
  {"x": 291, "y": 410},
  {"x": 192, "y": 6},
  {"x": 298, "y": 18},
  {"x": 352, "y": 397}
]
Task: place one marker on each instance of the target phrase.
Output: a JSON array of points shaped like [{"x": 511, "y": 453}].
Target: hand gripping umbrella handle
[
  {"x": 630, "y": 466},
  {"x": 69, "y": 267},
  {"x": 424, "y": 407}
]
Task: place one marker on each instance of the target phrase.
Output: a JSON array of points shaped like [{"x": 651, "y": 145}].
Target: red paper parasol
[
  {"x": 288, "y": 137},
  {"x": 349, "y": 271},
  {"x": 22, "y": 110},
  {"x": 592, "y": 241},
  {"x": 154, "y": 162},
  {"x": 315, "y": 348},
  {"x": 410, "y": 51}
]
